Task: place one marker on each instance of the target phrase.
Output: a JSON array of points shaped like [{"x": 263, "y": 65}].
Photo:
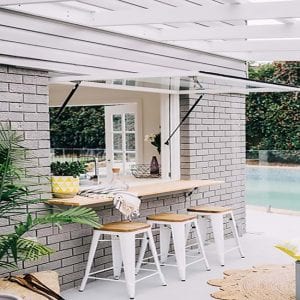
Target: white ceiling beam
[
  {"x": 247, "y": 11},
  {"x": 14, "y": 2},
  {"x": 109, "y": 4},
  {"x": 229, "y": 32},
  {"x": 244, "y": 46}
]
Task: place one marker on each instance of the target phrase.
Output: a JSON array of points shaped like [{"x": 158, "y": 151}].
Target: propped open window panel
[{"x": 190, "y": 83}]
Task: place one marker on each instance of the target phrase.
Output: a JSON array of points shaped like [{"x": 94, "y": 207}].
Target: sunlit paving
[{"x": 149, "y": 149}]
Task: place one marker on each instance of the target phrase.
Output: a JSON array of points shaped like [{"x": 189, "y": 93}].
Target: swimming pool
[{"x": 275, "y": 186}]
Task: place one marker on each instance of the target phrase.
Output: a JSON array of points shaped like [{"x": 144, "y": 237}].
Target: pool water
[{"x": 278, "y": 187}]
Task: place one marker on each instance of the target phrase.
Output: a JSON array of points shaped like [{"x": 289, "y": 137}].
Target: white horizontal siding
[{"x": 57, "y": 43}]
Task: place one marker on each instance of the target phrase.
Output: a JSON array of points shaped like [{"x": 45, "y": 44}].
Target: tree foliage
[
  {"x": 78, "y": 127},
  {"x": 273, "y": 119}
]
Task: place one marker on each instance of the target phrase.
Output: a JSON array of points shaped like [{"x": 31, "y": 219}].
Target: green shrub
[
  {"x": 74, "y": 168},
  {"x": 273, "y": 119}
]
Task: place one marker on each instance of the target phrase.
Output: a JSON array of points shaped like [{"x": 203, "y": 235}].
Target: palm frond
[
  {"x": 11, "y": 152},
  {"x": 81, "y": 215},
  {"x": 31, "y": 250},
  {"x": 8, "y": 265},
  {"x": 15, "y": 197},
  {"x": 15, "y": 249}
]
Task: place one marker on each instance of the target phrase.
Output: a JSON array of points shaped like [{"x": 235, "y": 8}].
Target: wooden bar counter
[{"x": 142, "y": 190}]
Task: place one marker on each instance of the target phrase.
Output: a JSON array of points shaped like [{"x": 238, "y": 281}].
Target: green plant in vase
[{"x": 65, "y": 178}]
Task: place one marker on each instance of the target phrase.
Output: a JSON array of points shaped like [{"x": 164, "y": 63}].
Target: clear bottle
[{"x": 116, "y": 180}]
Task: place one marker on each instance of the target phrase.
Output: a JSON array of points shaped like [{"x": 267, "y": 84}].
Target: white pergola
[
  {"x": 245, "y": 29},
  {"x": 92, "y": 40}
]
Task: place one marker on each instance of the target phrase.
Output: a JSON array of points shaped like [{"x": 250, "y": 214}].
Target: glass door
[{"x": 121, "y": 136}]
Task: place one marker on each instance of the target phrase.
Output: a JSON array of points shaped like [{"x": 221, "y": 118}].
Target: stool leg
[
  {"x": 142, "y": 253},
  {"x": 116, "y": 256},
  {"x": 155, "y": 256},
  {"x": 94, "y": 244},
  {"x": 200, "y": 243},
  {"x": 218, "y": 229},
  {"x": 178, "y": 232},
  {"x": 203, "y": 224},
  {"x": 188, "y": 228},
  {"x": 236, "y": 234},
  {"x": 165, "y": 239},
  {"x": 127, "y": 242}
]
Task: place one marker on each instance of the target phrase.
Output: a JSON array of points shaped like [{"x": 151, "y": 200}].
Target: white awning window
[{"x": 190, "y": 83}]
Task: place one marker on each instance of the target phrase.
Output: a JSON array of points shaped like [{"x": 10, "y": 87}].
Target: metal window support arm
[
  {"x": 183, "y": 119},
  {"x": 67, "y": 100}
]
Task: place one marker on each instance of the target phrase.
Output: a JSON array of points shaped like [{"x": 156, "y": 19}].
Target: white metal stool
[
  {"x": 216, "y": 214},
  {"x": 179, "y": 226},
  {"x": 123, "y": 235}
]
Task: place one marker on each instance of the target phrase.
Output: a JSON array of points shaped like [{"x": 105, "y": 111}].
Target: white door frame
[
  {"x": 122, "y": 109},
  {"x": 170, "y": 118}
]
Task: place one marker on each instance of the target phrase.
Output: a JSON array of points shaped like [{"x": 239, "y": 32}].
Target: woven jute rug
[{"x": 268, "y": 282}]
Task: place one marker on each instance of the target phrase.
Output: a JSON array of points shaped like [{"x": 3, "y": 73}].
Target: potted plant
[
  {"x": 15, "y": 196},
  {"x": 65, "y": 178}
]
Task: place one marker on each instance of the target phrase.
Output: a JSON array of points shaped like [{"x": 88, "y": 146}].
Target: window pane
[
  {"x": 130, "y": 141},
  {"x": 117, "y": 122},
  {"x": 130, "y": 157},
  {"x": 117, "y": 141},
  {"x": 129, "y": 122},
  {"x": 118, "y": 157}
]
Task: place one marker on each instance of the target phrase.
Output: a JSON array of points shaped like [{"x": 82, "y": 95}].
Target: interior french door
[{"x": 121, "y": 136}]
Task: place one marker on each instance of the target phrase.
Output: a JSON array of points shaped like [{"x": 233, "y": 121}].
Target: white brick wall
[{"x": 212, "y": 147}]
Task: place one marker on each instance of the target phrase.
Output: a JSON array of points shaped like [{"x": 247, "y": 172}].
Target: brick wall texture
[{"x": 212, "y": 147}]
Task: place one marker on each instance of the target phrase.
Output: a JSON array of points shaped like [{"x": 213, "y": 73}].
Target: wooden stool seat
[
  {"x": 209, "y": 209},
  {"x": 124, "y": 226},
  {"x": 169, "y": 217}
]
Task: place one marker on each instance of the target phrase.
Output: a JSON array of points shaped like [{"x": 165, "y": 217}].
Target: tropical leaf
[
  {"x": 81, "y": 215},
  {"x": 20, "y": 249},
  {"x": 31, "y": 250},
  {"x": 16, "y": 197}
]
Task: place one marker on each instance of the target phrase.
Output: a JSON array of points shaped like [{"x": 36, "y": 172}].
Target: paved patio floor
[{"x": 263, "y": 231}]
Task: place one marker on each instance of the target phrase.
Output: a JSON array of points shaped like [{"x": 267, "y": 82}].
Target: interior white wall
[{"x": 88, "y": 96}]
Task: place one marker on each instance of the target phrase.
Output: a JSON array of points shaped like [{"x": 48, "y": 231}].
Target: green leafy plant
[
  {"x": 74, "y": 168},
  {"x": 272, "y": 119},
  {"x": 78, "y": 127},
  {"x": 16, "y": 196}
]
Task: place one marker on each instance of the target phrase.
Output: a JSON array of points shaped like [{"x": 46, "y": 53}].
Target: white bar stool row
[{"x": 123, "y": 236}]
